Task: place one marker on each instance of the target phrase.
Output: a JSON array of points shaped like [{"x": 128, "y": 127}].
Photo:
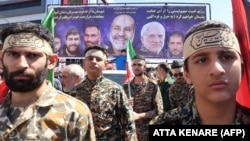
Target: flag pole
[{"x": 129, "y": 89}]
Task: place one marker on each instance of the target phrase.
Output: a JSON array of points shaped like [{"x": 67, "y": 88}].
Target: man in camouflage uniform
[
  {"x": 179, "y": 90},
  {"x": 146, "y": 97},
  {"x": 112, "y": 114},
  {"x": 213, "y": 64},
  {"x": 163, "y": 71},
  {"x": 33, "y": 109}
]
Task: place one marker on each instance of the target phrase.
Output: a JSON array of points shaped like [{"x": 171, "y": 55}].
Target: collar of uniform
[{"x": 47, "y": 97}]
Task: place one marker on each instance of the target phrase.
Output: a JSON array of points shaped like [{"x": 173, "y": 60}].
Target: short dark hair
[
  {"x": 140, "y": 57},
  {"x": 178, "y": 33},
  {"x": 150, "y": 69},
  {"x": 175, "y": 65},
  {"x": 123, "y": 50},
  {"x": 92, "y": 25},
  {"x": 72, "y": 31},
  {"x": 97, "y": 47},
  {"x": 57, "y": 36},
  {"x": 164, "y": 66}
]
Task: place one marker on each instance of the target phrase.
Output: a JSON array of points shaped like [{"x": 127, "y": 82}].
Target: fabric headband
[
  {"x": 27, "y": 40},
  {"x": 96, "y": 53},
  {"x": 138, "y": 61},
  {"x": 208, "y": 38}
]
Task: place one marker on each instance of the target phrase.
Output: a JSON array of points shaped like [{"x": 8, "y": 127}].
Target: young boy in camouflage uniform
[
  {"x": 213, "y": 64},
  {"x": 112, "y": 114}
]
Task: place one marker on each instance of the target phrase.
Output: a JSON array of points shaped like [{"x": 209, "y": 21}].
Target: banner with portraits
[{"x": 156, "y": 30}]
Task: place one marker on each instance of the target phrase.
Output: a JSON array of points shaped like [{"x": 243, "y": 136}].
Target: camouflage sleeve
[
  {"x": 174, "y": 116},
  {"x": 125, "y": 88},
  {"x": 125, "y": 112},
  {"x": 84, "y": 127},
  {"x": 171, "y": 97},
  {"x": 165, "y": 117}
]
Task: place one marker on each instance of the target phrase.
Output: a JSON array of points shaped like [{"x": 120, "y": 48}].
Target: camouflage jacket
[
  {"x": 179, "y": 93},
  {"x": 188, "y": 115},
  {"x": 112, "y": 114},
  {"x": 55, "y": 116},
  {"x": 147, "y": 98}
]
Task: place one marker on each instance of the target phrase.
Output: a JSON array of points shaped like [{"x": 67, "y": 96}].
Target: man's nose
[
  {"x": 217, "y": 68},
  {"x": 121, "y": 32},
  {"x": 22, "y": 62}
]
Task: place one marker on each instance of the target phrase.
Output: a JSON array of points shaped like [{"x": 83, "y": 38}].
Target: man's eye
[
  {"x": 228, "y": 57},
  {"x": 202, "y": 60},
  {"x": 117, "y": 28},
  {"x": 128, "y": 29},
  {"x": 11, "y": 53},
  {"x": 32, "y": 55},
  {"x": 160, "y": 36},
  {"x": 90, "y": 58},
  {"x": 99, "y": 59},
  {"x": 151, "y": 36}
]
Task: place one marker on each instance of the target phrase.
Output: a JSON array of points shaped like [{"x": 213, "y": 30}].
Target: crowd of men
[{"x": 92, "y": 107}]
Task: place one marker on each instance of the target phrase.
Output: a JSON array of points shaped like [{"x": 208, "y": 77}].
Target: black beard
[
  {"x": 34, "y": 81},
  {"x": 139, "y": 74},
  {"x": 177, "y": 56}
]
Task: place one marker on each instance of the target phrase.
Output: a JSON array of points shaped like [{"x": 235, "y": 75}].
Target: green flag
[{"x": 48, "y": 22}]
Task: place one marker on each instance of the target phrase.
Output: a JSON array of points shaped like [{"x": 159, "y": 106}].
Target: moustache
[
  {"x": 73, "y": 45},
  {"x": 120, "y": 37},
  {"x": 20, "y": 72}
]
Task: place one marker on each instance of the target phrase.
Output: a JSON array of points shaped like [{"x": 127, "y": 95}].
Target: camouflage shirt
[
  {"x": 147, "y": 98},
  {"x": 179, "y": 93},
  {"x": 112, "y": 114},
  {"x": 188, "y": 115},
  {"x": 55, "y": 116}
]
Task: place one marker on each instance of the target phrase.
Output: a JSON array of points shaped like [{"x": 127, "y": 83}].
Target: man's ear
[
  {"x": 53, "y": 59},
  {"x": 106, "y": 64},
  {"x": 145, "y": 67}
]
